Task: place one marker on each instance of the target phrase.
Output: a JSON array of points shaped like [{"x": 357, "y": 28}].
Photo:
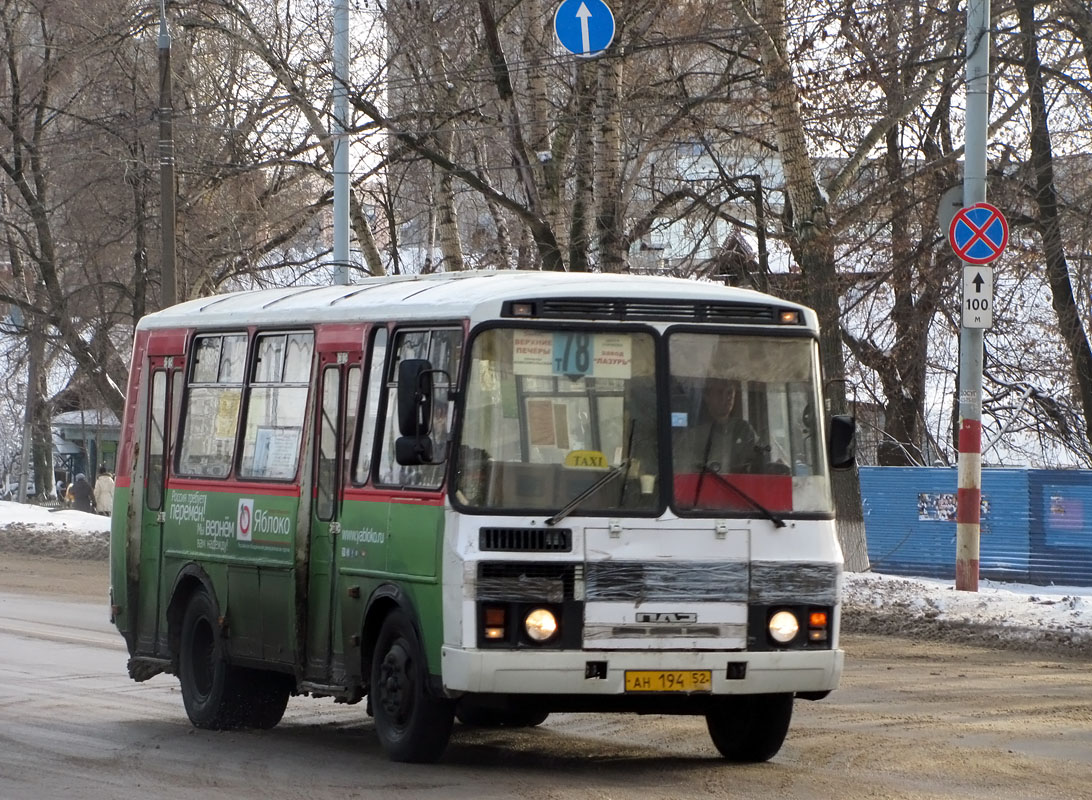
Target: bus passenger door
[
  {"x": 164, "y": 371},
  {"x": 339, "y": 393}
]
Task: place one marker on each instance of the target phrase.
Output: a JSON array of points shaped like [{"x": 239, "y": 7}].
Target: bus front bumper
[{"x": 602, "y": 672}]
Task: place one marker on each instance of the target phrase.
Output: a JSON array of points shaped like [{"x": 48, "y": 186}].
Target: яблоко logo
[{"x": 244, "y": 519}]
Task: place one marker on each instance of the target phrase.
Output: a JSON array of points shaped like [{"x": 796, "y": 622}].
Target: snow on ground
[
  {"x": 67, "y": 519},
  {"x": 1013, "y": 614},
  {"x": 54, "y": 532},
  {"x": 1019, "y": 615}
]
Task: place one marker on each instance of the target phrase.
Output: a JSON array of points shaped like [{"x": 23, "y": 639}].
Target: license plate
[{"x": 671, "y": 680}]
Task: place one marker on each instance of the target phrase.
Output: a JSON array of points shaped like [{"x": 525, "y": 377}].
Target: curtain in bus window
[
  {"x": 276, "y": 402},
  {"x": 212, "y": 406}
]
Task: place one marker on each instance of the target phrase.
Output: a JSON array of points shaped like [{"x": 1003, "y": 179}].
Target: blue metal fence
[{"x": 1036, "y": 524}]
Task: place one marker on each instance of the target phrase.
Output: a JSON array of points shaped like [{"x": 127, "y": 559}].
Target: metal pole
[
  {"x": 166, "y": 162},
  {"x": 341, "y": 144},
  {"x": 969, "y": 494}
]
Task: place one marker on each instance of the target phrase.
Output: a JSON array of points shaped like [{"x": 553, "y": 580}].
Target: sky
[{"x": 1020, "y": 613}]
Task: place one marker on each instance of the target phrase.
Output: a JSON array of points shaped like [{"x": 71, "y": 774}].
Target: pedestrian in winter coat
[
  {"x": 82, "y": 494},
  {"x": 104, "y": 491}
]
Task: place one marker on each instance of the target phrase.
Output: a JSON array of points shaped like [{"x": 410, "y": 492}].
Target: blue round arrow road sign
[
  {"x": 584, "y": 27},
  {"x": 978, "y": 234}
]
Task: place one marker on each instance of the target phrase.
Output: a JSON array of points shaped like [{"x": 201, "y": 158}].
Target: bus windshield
[
  {"x": 565, "y": 421},
  {"x": 745, "y": 434},
  {"x": 550, "y": 414}
]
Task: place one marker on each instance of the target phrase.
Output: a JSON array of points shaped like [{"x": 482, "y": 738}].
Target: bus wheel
[
  {"x": 411, "y": 724},
  {"x": 750, "y": 727},
  {"x": 476, "y": 716},
  {"x": 211, "y": 688},
  {"x": 266, "y": 696}
]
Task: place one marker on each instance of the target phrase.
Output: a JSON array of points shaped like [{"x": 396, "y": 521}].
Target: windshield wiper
[
  {"x": 598, "y": 484},
  {"x": 772, "y": 517}
]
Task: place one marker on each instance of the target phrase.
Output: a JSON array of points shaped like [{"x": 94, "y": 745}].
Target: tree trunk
[
  {"x": 810, "y": 238},
  {"x": 1046, "y": 201},
  {"x": 583, "y": 197},
  {"x": 608, "y": 167}
]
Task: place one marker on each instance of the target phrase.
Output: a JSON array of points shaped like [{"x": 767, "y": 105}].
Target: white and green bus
[{"x": 487, "y": 496}]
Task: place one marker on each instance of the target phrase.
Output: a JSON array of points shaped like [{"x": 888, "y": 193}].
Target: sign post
[{"x": 969, "y": 493}]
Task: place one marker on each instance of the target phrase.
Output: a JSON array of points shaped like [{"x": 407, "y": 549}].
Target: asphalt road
[{"x": 912, "y": 720}]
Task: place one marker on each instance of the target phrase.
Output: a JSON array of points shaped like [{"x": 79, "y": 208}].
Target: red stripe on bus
[
  {"x": 968, "y": 505},
  {"x": 377, "y": 495},
  {"x": 970, "y": 436},
  {"x": 122, "y": 482},
  {"x": 234, "y": 487}
]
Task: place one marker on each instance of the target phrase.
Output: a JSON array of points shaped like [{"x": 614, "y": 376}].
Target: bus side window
[
  {"x": 276, "y": 403},
  {"x": 212, "y": 406},
  {"x": 372, "y": 394},
  {"x": 326, "y": 501},
  {"x": 157, "y": 440},
  {"x": 352, "y": 408}
]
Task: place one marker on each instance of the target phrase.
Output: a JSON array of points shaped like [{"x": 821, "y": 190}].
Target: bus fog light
[
  {"x": 783, "y": 627},
  {"x": 540, "y": 625}
]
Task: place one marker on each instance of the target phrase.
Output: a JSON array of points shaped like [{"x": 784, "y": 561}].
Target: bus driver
[{"x": 721, "y": 440}]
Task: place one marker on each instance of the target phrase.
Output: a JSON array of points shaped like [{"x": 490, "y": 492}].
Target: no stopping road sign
[{"x": 978, "y": 234}]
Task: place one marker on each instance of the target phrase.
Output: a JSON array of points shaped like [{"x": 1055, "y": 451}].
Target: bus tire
[
  {"x": 411, "y": 724},
  {"x": 212, "y": 692},
  {"x": 750, "y": 728}
]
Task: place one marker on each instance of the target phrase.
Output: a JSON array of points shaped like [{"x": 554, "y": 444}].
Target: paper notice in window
[
  {"x": 540, "y": 423},
  {"x": 613, "y": 356},
  {"x": 532, "y": 353}
]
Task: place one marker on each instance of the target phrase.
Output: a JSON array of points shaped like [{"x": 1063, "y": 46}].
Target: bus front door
[{"x": 339, "y": 392}]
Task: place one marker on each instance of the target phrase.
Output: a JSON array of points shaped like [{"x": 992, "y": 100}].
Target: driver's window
[{"x": 442, "y": 347}]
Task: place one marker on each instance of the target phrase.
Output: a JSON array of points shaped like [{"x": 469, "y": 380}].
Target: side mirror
[
  {"x": 842, "y": 444},
  {"x": 413, "y": 450},
  {"x": 415, "y": 397}
]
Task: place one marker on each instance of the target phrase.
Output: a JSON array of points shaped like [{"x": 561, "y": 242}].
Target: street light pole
[
  {"x": 341, "y": 144},
  {"x": 166, "y": 162}
]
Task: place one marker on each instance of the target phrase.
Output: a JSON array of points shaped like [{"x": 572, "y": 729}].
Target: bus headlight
[
  {"x": 783, "y": 627},
  {"x": 540, "y": 624}
]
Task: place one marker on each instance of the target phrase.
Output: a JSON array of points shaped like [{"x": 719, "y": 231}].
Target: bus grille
[
  {"x": 513, "y": 582},
  {"x": 529, "y": 540},
  {"x": 654, "y": 310}
]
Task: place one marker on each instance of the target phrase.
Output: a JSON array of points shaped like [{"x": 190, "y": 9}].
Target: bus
[{"x": 485, "y": 496}]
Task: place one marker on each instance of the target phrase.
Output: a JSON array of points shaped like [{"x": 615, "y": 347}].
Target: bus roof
[{"x": 480, "y": 294}]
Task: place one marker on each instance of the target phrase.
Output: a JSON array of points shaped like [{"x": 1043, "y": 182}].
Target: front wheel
[
  {"x": 750, "y": 727},
  {"x": 412, "y": 725}
]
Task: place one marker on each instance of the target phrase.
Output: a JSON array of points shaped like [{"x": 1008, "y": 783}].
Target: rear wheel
[
  {"x": 750, "y": 727},
  {"x": 412, "y": 724},
  {"x": 212, "y": 690}
]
